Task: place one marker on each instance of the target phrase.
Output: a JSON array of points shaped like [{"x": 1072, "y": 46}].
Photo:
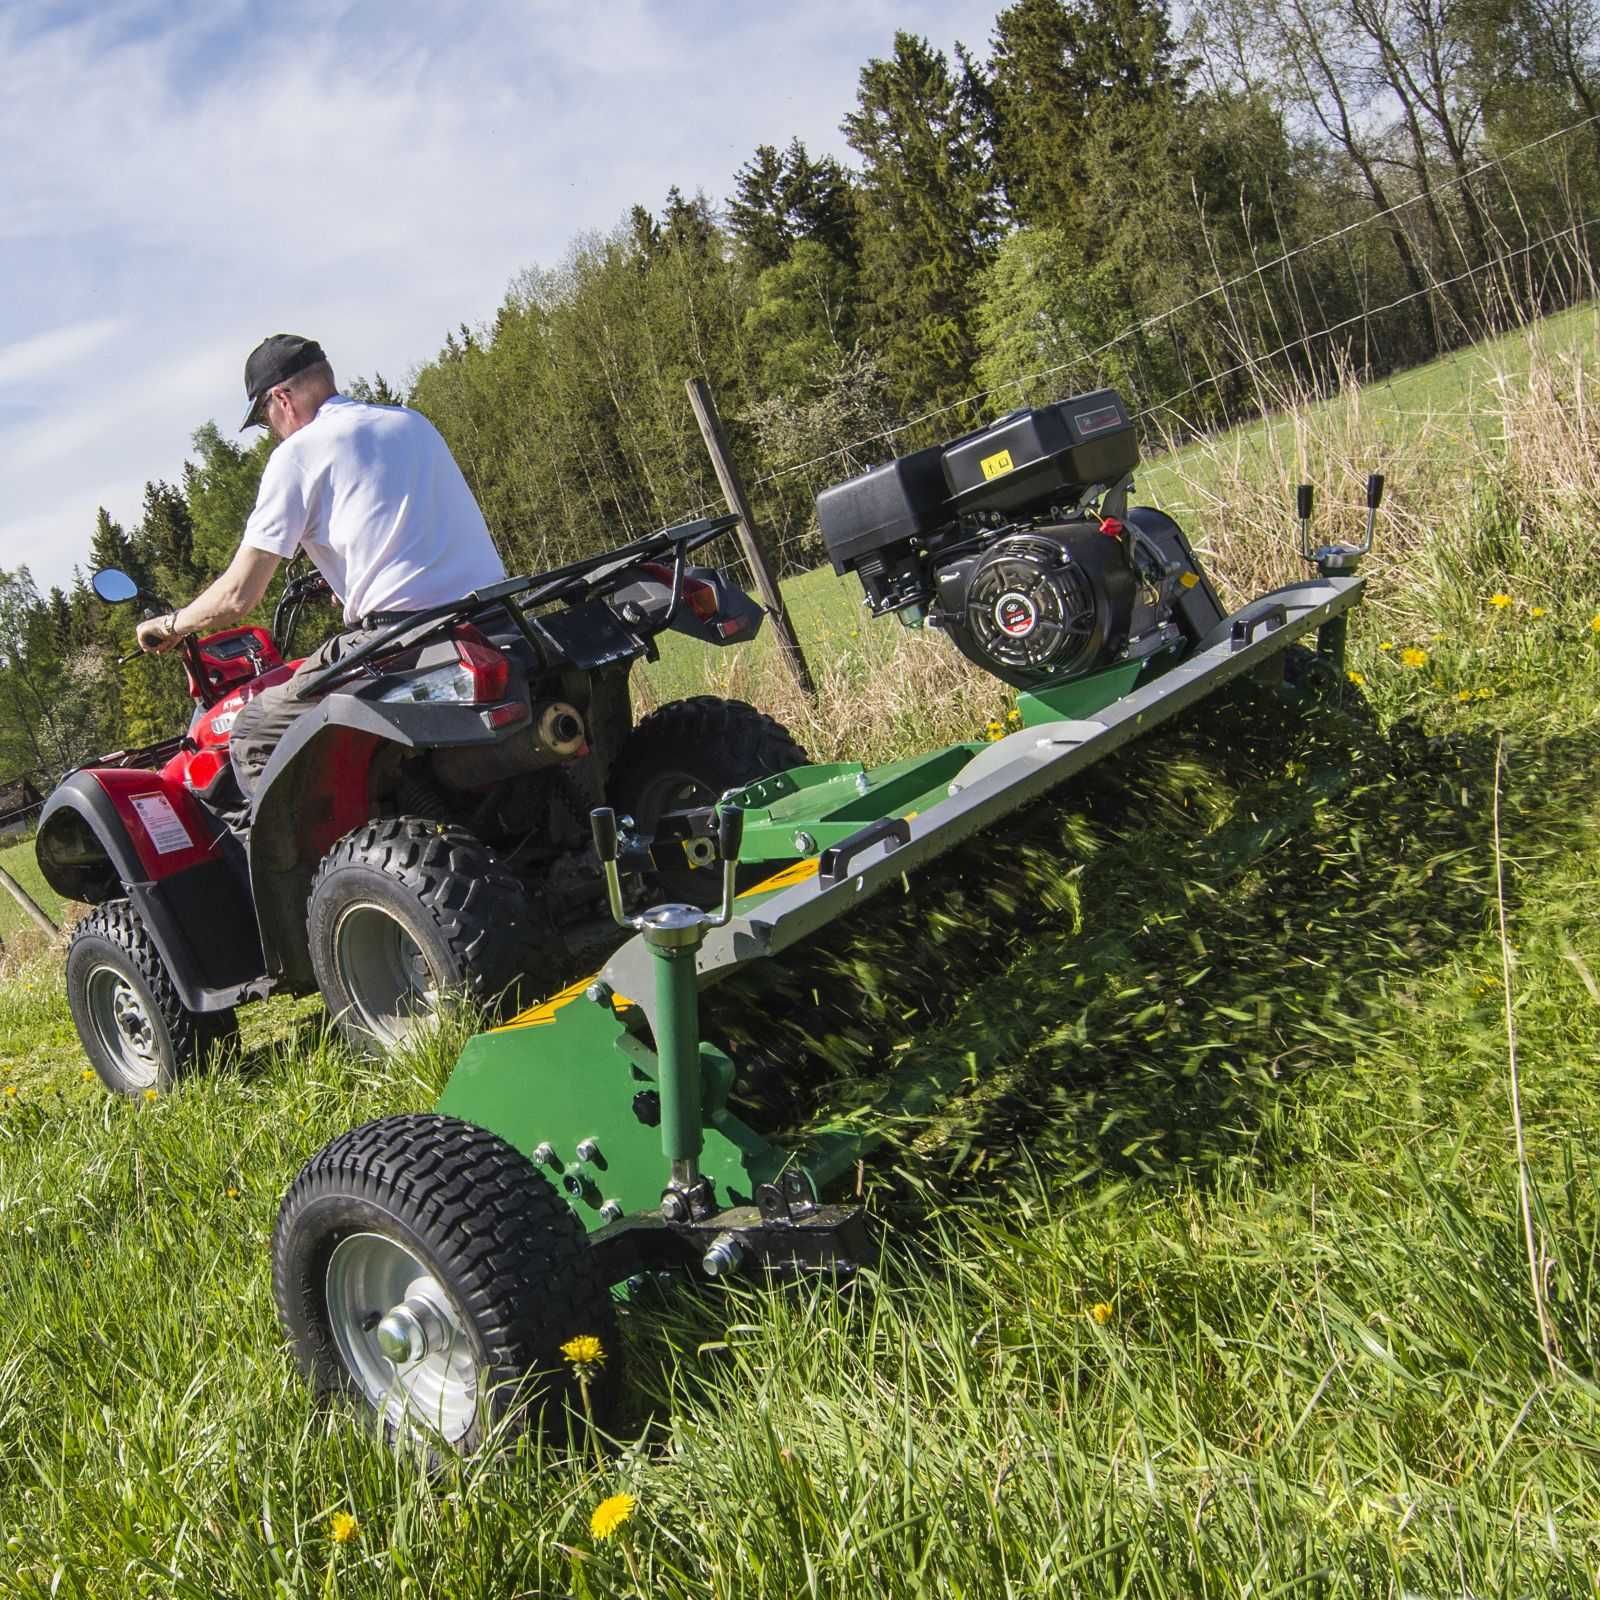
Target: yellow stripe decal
[
  {"x": 545, "y": 1012},
  {"x": 795, "y": 872}
]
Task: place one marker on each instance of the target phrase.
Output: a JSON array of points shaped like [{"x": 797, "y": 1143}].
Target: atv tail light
[
  {"x": 477, "y": 676},
  {"x": 702, "y": 597}
]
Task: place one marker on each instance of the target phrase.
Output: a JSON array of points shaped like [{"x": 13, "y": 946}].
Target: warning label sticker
[{"x": 162, "y": 823}]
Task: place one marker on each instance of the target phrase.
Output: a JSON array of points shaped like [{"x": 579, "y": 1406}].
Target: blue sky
[{"x": 181, "y": 179}]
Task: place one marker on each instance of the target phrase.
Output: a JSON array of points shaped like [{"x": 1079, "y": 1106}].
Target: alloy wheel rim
[
  {"x": 373, "y": 1281},
  {"x": 124, "y": 1026},
  {"x": 381, "y": 967}
]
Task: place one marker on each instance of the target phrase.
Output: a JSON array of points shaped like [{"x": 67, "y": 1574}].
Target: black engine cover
[{"x": 1049, "y": 602}]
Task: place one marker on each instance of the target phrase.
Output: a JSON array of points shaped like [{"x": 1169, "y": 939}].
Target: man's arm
[{"x": 234, "y": 595}]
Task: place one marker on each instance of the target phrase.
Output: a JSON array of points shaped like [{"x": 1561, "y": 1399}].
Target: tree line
[{"x": 1272, "y": 194}]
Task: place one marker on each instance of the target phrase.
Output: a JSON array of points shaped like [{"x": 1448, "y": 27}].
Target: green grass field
[{"x": 1216, "y": 1283}]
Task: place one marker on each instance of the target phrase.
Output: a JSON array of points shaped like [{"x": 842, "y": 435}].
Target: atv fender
[
  {"x": 112, "y": 831},
  {"x": 317, "y": 786}
]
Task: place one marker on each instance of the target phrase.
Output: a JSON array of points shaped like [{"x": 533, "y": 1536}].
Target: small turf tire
[
  {"x": 427, "y": 1272},
  {"x": 690, "y": 753},
  {"x": 137, "y": 1033},
  {"x": 405, "y": 912}
]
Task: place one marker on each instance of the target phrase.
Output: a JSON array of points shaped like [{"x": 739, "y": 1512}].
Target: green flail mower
[{"x": 431, "y": 1267}]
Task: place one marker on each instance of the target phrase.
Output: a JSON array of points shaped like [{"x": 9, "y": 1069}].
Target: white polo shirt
[{"x": 377, "y": 501}]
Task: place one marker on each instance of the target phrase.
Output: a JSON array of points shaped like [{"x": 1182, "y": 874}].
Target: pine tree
[{"x": 927, "y": 215}]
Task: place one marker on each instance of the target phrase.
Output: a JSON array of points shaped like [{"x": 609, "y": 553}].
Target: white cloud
[
  {"x": 48, "y": 353},
  {"x": 180, "y": 183}
]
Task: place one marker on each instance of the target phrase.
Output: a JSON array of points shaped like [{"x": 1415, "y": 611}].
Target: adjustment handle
[
  {"x": 1302, "y": 501},
  {"x": 603, "y": 824},
  {"x": 1374, "y": 491},
  {"x": 730, "y": 832},
  {"x": 836, "y": 859}
]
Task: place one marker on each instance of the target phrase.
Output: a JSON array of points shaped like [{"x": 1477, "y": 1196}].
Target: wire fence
[{"x": 1267, "y": 350}]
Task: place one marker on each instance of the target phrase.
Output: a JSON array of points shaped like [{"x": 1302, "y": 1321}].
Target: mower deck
[{"x": 578, "y": 1086}]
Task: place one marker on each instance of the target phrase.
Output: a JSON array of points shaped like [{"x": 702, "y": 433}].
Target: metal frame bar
[{"x": 1005, "y": 778}]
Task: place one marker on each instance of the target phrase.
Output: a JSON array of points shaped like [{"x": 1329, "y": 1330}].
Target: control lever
[
  {"x": 730, "y": 837},
  {"x": 1302, "y": 510},
  {"x": 1374, "y": 500}
]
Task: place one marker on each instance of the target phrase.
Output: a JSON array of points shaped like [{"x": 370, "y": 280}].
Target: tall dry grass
[{"x": 1497, "y": 487}]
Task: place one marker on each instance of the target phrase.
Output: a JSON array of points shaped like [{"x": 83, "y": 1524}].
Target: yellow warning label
[
  {"x": 1189, "y": 580},
  {"x": 545, "y": 1012},
  {"x": 996, "y": 464}
]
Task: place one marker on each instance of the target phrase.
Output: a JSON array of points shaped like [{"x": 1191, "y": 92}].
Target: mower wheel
[
  {"x": 426, "y": 1271},
  {"x": 137, "y": 1033},
  {"x": 404, "y": 912},
  {"x": 690, "y": 753}
]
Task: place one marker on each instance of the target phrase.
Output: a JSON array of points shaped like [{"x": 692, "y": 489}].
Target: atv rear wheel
[
  {"x": 690, "y": 753},
  {"x": 137, "y": 1033},
  {"x": 425, "y": 1270},
  {"x": 406, "y": 912}
]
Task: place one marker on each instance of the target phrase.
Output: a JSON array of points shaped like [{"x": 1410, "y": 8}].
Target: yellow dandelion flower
[
  {"x": 11, "y": 1090},
  {"x": 1538, "y": 611},
  {"x": 344, "y": 1527},
  {"x": 1101, "y": 1312},
  {"x": 1356, "y": 678},
  {"x": 1388, "y": 644},
  {"x": 87, "y": 1074},
  {"x": 1413, "y": 656},
  {"x": 610, "y": 1514},
  {"x": 584, "y": 1351},
  {"x": 1500, "y": 601},
  {"x": 1485, "y": 694},
  {"x": 152, "y": 1094},
  {"x": 1594, "y": 623},
  {"x": 1013, "y": 718},
  {"x": 1463, "y": 695},
  {"x": 233, "y": 1193},
  {"x": 994, "y": 731}
]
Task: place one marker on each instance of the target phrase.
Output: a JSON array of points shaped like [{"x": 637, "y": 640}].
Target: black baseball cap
[{"x": 275, "y": 360}]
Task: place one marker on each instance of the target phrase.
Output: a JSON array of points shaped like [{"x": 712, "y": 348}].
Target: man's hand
[{"x": 159, "y": 634}]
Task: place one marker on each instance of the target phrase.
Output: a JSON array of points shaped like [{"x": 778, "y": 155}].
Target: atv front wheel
[
  {"x": 426, "y": 1271},
  {"x": 690, "y": 753},
  {"x": 137, "y": 1033},
  {"x": 405, "y": 912}
]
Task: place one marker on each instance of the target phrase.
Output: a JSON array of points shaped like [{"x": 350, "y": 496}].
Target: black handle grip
[
  {"x": 835, "y": 862},
  {"x": 603, "y": 822},
  {"x": 730, "y": 832},
  {"x": 1374, "y": 491},
  {"x": 1302, "y": 502}
]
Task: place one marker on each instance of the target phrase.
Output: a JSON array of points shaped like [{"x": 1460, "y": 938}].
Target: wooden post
[
  {"x": 28, "y": 904},
  {"x": 705, "y": 413}
]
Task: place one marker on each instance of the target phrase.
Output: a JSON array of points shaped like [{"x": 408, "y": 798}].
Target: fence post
[
  {"x": 705, "y": 413},
  {"x": 28, "y": 904}
]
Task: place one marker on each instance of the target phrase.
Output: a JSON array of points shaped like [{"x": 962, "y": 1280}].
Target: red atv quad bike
[{"x": 421, "y": 830}]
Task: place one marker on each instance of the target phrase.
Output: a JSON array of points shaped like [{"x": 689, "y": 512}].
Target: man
[{"x": 373, "y": 496}]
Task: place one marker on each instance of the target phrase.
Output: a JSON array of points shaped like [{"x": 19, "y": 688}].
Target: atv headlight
[{"x": 454, "y": 682}]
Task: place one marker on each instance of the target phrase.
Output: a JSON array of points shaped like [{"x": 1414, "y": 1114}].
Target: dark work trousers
[{"x": 263, "y": 721}]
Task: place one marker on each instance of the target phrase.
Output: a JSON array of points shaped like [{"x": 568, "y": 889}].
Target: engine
[{"x": 1017, "y": 542}]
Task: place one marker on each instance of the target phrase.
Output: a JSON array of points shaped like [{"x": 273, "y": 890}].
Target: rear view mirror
[{"x": 114, "y": 586}]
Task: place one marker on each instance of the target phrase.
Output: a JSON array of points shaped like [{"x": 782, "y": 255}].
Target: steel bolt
[
  {"x": 611, "y": 1210},
  {"x": 804, "y": 843},
  {"x": 599, "y": 992},
  {"x": 863, "y": 783},
  {"x": 674, "y": 1206},
  {"x": 723, "y": 1257},
  {"x": 588, "y": 1150},
  {"x": 401, "y": 1336},
  {"x": 544, "y": 1154}
]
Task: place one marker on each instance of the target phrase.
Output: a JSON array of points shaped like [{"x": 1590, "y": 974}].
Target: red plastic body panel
[
  {"x": 212, "y": 729},
  {"x": 228, "y": 669},
  {"x": 165, "y": 823}
]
